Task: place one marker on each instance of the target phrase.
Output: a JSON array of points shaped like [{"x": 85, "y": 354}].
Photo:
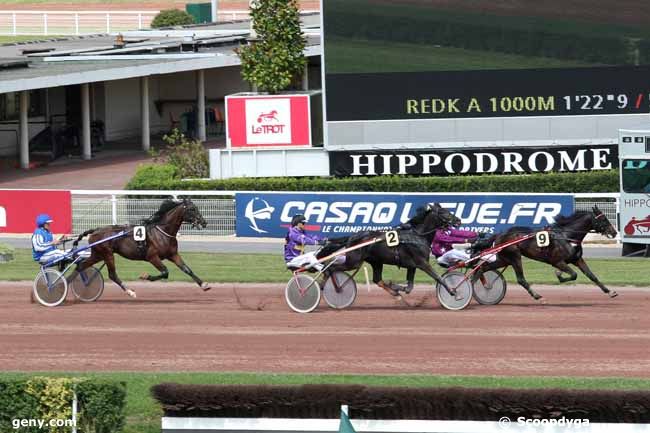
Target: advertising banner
[
  {"x": 19, "y": 209},
  {"x": 268, "y": 120},
  {"x": 474, "y": 161},
  {"x": 338, "y": 214}
]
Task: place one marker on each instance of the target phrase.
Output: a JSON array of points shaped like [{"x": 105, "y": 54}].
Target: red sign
[
  {"x": 19, "y": 209},
  {"x": 268, "y": 120}
]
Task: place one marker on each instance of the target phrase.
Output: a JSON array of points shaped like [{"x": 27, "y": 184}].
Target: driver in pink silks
[{"x": 442, "y": 245}]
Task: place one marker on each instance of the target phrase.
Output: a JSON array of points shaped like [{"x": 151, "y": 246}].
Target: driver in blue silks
[
  {"x": 294, "y": 245},
  {"x": 43, "y": 243}
]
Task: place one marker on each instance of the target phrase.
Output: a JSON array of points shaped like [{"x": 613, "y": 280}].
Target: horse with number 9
[{"x": 560, "y": 245}]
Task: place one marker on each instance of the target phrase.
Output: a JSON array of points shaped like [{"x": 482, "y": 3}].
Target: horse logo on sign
[{"x": 262, "y": 213}]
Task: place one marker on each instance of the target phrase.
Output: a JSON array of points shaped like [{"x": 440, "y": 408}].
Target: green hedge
[
  {"x": 101, "y": 403},
  {"x": 171, "y": 18},
  {"x": 163, "y": 177}
]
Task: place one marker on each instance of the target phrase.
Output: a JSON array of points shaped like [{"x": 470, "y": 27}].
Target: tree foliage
[
  {"x": 172, "y": 17},
  {"x": 275, "y": 59}
]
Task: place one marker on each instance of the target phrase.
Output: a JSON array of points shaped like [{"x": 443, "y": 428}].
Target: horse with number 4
[
  {"x": 153, "y": 241},
  {"x": 559, "y": 245},
  {"x": 408, "y": 246}
]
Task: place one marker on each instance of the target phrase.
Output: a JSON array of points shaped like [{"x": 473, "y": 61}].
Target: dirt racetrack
[{"x": 176, "y": 327}]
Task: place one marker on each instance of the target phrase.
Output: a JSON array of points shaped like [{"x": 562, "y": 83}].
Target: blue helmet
[{"x": 43, "y": 219}]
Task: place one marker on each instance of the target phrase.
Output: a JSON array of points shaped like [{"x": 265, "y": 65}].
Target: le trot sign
[{"x": 268, "y": 120}]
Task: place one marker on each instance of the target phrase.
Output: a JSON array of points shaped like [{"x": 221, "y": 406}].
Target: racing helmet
[
  {"x": 297, "y": 219},
  {"x": 43, "y": 219}
]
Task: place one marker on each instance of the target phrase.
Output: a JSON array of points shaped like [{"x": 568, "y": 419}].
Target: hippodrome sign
[{"x": 331, "y": 215}]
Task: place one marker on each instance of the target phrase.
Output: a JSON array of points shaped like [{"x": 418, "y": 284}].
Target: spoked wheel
[
  {"x": 494, "y": 289},
  {"x": 455, "y": 280},
  {"x": 339, "y": 290},
  {"x": 50, "y": 287},
  {"x": 88, "y": 285},
  {"x": 302, "y": 293}
]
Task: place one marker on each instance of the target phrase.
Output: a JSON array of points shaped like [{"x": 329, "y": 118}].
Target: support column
[
  {"x": 305, "y": 77},
  {"x": 144, "y": 109},
  {"x": 86, "y": 152},
  {"x": 24, "y": 129},
  {"x": 200, "y": 95},
  {"x": 215, "y": 15}
]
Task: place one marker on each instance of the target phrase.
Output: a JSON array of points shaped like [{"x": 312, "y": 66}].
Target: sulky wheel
[
  {"x": 494, "y": 289},
  {"x": 88, "y": 285},
  {"x": 302, "y": 293},
  {"x": 50, "y": 287},
  {"x": 339, "y": 290},
  {"x": 455, "y": 280}
]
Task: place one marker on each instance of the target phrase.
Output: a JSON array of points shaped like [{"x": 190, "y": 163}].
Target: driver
[
  {"x": 43, "y": 243},
  {"x": 442, "y": 245},
  {"x": 294, "y": 245}
]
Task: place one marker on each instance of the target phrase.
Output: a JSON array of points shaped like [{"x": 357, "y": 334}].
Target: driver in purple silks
[
  {"x": 442, "y": 245},
  {"x": 294, "y": 245}
]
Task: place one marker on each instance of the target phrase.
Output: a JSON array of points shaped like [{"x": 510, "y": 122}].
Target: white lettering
[
  {"x": 489, "y": 213},
  {"x": 449, "y": 162},
  {"x": 532, "y": 161},
  {"x": 290, "y": 209},
  {"x": 578, "y": 164},
  {"x": 362, "y": 208},
  {"x": 405, "y": 161},
  {"x": 512, "y": 160},
  {"x": 548, "y": 212},
  {"x": 3, "y": 217},
  {"x": 521, "y": 209},
  {"x": 429, "y": 160},
  {"x": 318, "y": 209},
  {"x": 384, "y": 213},
  {"x": 357, "y": 164},
  {"x": 386, "y": 162},
  {"x": 600, "y": 159},
  {"x": 494, "y": 163},
  {"x": 341, "y": 215}
]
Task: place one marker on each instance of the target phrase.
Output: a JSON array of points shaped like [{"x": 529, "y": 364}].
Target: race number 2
[
  {"x": 139, "y": 233},
  {"x": 543, "y": 239},
  {"x": 392, "y": 239}
]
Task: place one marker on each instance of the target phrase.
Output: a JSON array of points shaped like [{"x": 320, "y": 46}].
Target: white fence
[
  {"x": 66, "y": 23},
  {"x": 92, "y": 209}
]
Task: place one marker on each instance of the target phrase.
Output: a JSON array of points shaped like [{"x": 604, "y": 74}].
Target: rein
[{"x": 164, "y": 232}]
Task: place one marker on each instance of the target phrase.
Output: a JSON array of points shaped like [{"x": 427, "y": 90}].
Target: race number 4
[
  {"x": 543, "y": 239},
  {"x": 392, "y": 239},
  {"x": 139, "y": 233}
]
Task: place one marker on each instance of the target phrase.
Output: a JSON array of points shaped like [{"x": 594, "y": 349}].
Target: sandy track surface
[{"x": 176, "y": 327}]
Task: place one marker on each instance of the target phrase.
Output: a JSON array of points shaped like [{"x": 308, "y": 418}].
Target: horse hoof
[
  {"x": 205, "y": 287},
  {"x": 144, "y": 276},
  {"x": 542, "y": 300},
  {"x": 131, "y": 293},
  {"x": 613, "y": 294}
]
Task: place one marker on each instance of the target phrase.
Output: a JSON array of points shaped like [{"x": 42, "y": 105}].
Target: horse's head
[
  {"x": 192, "y": 215},
  {"x": 601, "y": 224},
  {"x": 433, "y": 216}
]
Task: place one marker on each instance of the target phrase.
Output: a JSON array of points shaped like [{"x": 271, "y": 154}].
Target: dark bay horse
[
  {"x": 412, "y": 252},
  {"x": 160, "y": 242},
  {"x": 565, "y": 248}
]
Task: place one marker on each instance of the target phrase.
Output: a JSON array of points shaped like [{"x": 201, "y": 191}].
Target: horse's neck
[
  {"x": 578, "y": 229},
  {"x": 172, "y": 221}
]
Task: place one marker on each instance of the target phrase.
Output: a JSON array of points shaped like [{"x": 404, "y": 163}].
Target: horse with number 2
[{"x": 153, "y": 241}]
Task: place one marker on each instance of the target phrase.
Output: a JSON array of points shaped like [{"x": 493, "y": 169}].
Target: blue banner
[{"x": 339, "y": 214}]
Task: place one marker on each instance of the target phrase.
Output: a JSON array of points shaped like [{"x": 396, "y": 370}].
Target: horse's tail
[
  {"x": 81, "y": 236},
  {"x": 483, "y": 243}
]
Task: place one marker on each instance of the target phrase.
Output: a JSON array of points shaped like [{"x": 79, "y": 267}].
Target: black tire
[
  {"x": 342, "y": 294},
  {"x": 493, "y": 294},
  {"x": 302, "y": 293},
  {"x": 50, "y": 287},
  {"x": 89, "y": 287}
]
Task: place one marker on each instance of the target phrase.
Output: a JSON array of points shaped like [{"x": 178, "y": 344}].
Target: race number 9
[
  {"x": 392, "y": 239},
  {"x": 543, "y": 239},
  {"x": 139, "y": 233}
]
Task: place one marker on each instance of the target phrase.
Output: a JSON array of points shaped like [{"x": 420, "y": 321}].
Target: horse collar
[{"x": 164, "y": 232}]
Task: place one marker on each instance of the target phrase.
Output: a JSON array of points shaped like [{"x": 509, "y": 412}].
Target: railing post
[
  {"x": 14, "y": 24},
  {"x": 114, "y": 209},
  {"x": 45, "y": 24},
  {"x": 108, "y": 23},
  {"x": 74, "y": 411},
  {"x": 618, "y": 219},
  {"x": 76, "y": 24},
  {"x": 139, "y": 21}
]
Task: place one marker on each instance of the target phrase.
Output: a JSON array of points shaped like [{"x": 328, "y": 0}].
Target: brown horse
[
  {"x": 160, "y": 242},
  {"x": 564, "y": 248}
]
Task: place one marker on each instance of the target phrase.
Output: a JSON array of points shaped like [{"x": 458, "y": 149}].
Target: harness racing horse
[
  {"x": 565, "y": 248},
  {"x": 412, "y": 252},
  {"x": 160, "y": 242}
]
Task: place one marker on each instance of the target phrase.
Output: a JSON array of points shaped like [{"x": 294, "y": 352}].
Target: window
[
  {"x": 636, "y": 175},
  {"x": 10, "y": 105}
]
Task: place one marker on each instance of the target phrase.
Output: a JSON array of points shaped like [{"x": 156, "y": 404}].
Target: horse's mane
[
  {"x": 420, "y": 213},
  {"x": 562, "y": 220},
  {"x": 165, "y": 207}
]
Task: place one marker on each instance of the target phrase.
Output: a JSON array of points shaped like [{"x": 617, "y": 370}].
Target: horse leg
[
  {"x": 377, "y": 270},
  {"x": 410, "y": 276},
  {"x": 158, "y": 264},
  {"x": 519, "y": 272},
  {"x": 564, "y": 268},
  {"x": 424, "y": 265},
  {"x": 110, "y": 265},
  {"x": 582, "y": 265},
  {"x": 178, "y": 261}
]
